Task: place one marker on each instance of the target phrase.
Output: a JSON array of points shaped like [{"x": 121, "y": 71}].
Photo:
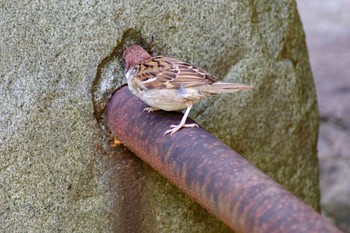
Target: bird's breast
[{"x": 169, "y": 99}]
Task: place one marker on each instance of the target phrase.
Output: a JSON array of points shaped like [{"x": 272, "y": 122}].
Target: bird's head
[{"x": 134, "y": 56}]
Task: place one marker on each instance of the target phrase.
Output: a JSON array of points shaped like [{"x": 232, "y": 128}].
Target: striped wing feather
[{"x": 165, "y": 72}]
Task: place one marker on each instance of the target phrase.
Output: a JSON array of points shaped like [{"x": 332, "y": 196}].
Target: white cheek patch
[{"x": 130, "y": 73}]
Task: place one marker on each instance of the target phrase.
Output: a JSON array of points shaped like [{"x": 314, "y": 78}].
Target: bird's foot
[
  {"x": 176, "y": 128},
  {"x": 150, "y": 109}
]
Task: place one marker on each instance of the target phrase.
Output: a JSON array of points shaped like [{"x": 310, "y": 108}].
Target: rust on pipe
[{"x": 215, "y": 176}]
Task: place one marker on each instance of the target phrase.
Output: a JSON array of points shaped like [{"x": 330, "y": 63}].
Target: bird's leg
[
  {"x": 150, "y": 109},
  {"x": 182, "y": 124}
]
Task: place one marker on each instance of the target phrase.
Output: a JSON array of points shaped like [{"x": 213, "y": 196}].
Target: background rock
[
  {"x": 59, "y": 62},
  {"x": 327, "y": 30}
]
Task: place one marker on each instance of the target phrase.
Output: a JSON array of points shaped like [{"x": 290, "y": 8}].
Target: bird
[{"x": 166, "y": 83}]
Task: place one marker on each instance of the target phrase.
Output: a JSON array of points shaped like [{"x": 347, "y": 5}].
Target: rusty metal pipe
[{"x": 219, "y": 179}]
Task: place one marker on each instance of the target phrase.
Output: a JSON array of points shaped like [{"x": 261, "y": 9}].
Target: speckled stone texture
[{"x": 56, "y": 65}]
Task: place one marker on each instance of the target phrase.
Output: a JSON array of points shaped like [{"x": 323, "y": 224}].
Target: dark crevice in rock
[{"x": 110, "y": 75}]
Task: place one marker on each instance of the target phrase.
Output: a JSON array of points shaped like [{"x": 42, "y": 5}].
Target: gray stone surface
[
  {"x": 58, "y": 173},
  {"x": 327, "y": 30}
]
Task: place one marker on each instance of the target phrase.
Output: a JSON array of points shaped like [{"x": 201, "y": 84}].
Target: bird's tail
[{"x": 219, "y": 87}]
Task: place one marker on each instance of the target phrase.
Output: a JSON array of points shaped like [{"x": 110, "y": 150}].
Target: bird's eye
[{"x": 134, "y": 70}]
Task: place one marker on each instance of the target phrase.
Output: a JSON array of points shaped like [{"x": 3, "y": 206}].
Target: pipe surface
[{"x": 216, "y": 177}]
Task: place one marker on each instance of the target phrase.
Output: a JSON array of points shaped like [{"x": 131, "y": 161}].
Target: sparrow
[{"x": 170, "y": 84}]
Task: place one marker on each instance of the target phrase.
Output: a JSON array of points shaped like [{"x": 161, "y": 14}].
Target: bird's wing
[{"x": 165, "y": 72}]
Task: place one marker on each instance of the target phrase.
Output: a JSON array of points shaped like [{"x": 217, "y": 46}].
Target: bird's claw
[
  {"x": 176, "y": 128},
  {"x": 172, "y": 131},
  {"x": 150, "y": 109}
]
